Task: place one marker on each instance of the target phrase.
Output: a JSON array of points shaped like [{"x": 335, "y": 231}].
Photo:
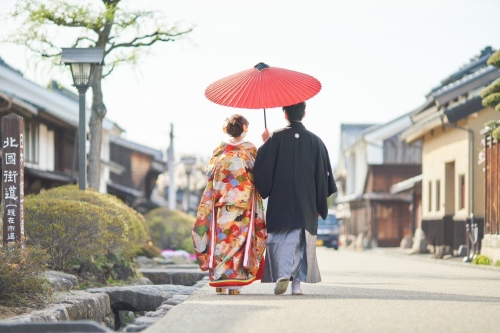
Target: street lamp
[
  {"x": 82, "y": 62},
  {"x": 188, "y": 162}
]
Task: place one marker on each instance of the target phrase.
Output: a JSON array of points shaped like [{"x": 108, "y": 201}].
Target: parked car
[{"x": 328, "y": 231}]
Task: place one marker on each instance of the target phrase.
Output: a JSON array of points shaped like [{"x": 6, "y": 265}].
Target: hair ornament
[{"x": 224, "y": 126}]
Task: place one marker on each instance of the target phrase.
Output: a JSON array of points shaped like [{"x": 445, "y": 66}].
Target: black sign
[{"x": 13, "y": 179}]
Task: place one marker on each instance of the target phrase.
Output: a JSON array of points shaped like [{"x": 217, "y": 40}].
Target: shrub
[
  {"x": 20, "y": 280},
  {"x": 492, "y": 100},
  {"x": 494, "y": 60},
  {"x": 496, "y": 134},
  {"x": 481, "y": 260},
  {"x": 492, "y": 88},
  {"x": 497, "y": 263},
  {"x": 170, "y": 229},
  {"x": 492, "y": 124},
  {"x": 74, "y": 224}
]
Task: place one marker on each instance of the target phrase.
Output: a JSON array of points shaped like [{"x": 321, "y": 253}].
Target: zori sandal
[{"x": 281, "y": 286}]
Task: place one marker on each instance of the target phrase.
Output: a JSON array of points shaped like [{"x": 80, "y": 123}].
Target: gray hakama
[{"x": 291, "y": 253}]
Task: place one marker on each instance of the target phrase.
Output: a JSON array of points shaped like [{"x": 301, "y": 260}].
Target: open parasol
[{"x": 263, "y": 87}]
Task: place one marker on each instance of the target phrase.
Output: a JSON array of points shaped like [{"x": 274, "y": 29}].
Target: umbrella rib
[
  {"x": 295, "y": 92},
  {"x": 306, "y": 84},
  {"x": 226, "y": 89},
  {"x": 255, "y": 91},
  {"x": 249, "y": 89},
  {"x": 263, "y": 88},
  {"x": 281, "y": 90},
  {"x": 239, "y": 90}
]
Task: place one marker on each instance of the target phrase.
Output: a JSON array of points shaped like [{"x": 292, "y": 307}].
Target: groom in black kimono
[{"x": 293, "y": 170}]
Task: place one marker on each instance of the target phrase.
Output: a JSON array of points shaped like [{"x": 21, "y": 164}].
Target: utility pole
[{"x": 170, "y": 163}]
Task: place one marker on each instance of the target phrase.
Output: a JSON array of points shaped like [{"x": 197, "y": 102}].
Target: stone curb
[
  {"x": 54, "y": 327},
  {"x": 422, "y": 257}
]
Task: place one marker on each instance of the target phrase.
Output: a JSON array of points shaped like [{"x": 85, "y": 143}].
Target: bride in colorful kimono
[{"x": 229, "y": 234}]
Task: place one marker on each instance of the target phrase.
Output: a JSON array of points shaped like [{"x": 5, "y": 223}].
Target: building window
[
  {"x": 438, "y": 195},
  {"x": 461, "y": 193},
  {"x": 430, "y": 197},
  {"x": 31, "y": 141}
]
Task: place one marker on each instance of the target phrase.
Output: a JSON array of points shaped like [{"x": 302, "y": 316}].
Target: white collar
[{"x": 236, "y": 143}]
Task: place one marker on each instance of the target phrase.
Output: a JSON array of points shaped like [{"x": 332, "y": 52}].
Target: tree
[
  {"x": 491, "y": 97},
  {"x": 124, "y": 34}
]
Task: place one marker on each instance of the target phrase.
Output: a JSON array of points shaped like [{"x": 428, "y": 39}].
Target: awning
[
  {"x": 125, "y": 189},
  {"x": 19, "y": 103},
  {"x": 463, "y": 110},
  {"x": 348, "y": 198},
  {"x": 384, "y": 196},
  {"x": 114, "y": 167},
  {"x": 418, "y": 129},
  {"x": 49, "y": 175},
  {"x": 406, "y": 185},
  {"x": 159, "y": 167}
]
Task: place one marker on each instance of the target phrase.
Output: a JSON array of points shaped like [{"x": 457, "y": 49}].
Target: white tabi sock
[{"x": 296, "y": 286}]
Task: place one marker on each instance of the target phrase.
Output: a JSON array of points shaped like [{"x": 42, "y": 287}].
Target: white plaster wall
[
  {"x": 104, "y": 157},
  {"x": 50, "y": 151},
  {"x": 375, "y": 152},
  {"x": 361, "y": 167},
  {"x": 440, "y": 148},
  {"x": 351, "y": 173},
  {"x": 42, "y": 147},
  {"x": 46, "y": 148}
]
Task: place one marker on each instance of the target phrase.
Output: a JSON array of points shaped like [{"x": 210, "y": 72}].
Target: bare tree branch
[
  {"x": 126, "y": 34},
  {"x": 79, "y": 39},
  {"x": 148, "y": 40},
  {"x": 110, "y": 71}
]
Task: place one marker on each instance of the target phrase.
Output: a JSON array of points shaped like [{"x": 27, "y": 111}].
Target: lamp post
[
  {"x": 82, "y": 62},
  {"x": 188, "y": 162}
]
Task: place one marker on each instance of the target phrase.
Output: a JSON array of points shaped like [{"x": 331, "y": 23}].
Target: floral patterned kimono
[{"x": 229, "y": 234}]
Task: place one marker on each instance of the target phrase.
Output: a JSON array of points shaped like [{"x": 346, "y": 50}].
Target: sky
[{"x": 376, "y": 60}]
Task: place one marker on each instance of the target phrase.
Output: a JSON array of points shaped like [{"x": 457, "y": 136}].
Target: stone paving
[{"x": 365, "y": 291}]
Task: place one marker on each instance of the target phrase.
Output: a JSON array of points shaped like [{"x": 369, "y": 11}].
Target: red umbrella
[{"x": 263, "y": 87}]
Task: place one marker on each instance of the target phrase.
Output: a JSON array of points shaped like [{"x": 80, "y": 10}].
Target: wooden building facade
[
  {"x": 384, "y": 217},
  {"x": 374, "y": 162},
  {"x": 140, "y": 167},
  {"x": 491, "y": 241},
  {"x": 50, "y": 149}
]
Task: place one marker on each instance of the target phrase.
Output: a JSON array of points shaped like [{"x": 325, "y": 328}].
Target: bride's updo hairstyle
[{"x": 236, "y": 125}]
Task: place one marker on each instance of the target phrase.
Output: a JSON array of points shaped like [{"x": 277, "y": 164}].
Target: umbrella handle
[{"x": 265, "y": 124}]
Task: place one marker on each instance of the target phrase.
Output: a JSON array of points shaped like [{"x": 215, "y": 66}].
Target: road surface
[{"x": 366, "y": 291}]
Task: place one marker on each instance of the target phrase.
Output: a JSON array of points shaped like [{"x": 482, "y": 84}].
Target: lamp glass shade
[
  {"x": 188, "y": 163},
  {"x": 81, "y": 73}
]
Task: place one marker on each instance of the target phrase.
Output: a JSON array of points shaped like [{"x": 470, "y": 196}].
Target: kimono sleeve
[
  {"x": 332, "y": 186},
  {"x": 263, "y": 170},
  {"x": 325, "y": 184}
]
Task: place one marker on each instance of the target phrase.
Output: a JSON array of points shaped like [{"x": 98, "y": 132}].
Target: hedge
[
  {"x": 74, "y": 224},
  {"x": 170, "y": 229}
]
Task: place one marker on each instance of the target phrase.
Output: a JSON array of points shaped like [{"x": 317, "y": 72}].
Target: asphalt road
[{"x": 361, "y": 292}]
